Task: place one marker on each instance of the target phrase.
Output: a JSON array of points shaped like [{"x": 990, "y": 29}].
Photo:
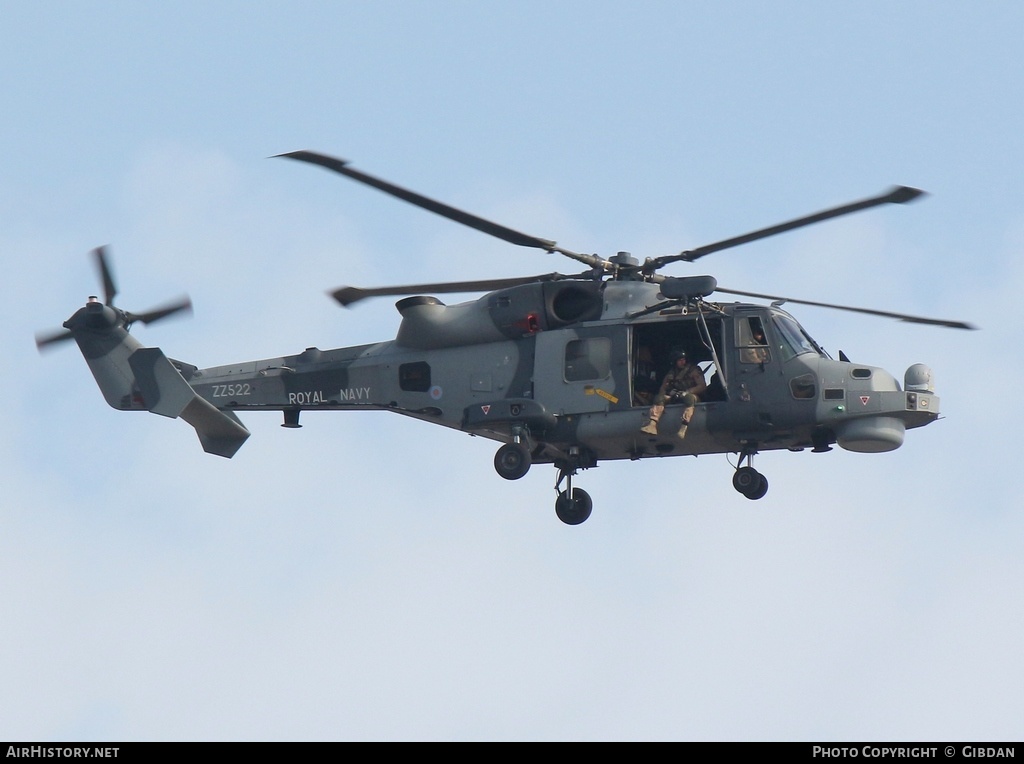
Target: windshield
[{"x": 793, "y": 340}]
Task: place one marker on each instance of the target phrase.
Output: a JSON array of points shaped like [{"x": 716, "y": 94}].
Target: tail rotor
[{"x": 98, "y": 316}]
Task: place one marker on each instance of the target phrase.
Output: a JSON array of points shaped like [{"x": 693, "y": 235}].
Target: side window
[
  {"x": 751, "y": 341},
  {"x": 414, "y": 377},
  {"x": 803, "y": 387},
  {"x": 588, "y": 359}
]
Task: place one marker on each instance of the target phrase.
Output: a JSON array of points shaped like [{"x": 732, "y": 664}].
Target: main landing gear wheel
[
  {"x": 573, "y": 505},
  {"x": 760, "y": 491},
  {"x": 574, "y": 510},
  {"x": 512, "y": 461},
  {"x": 750, "y": 483}
]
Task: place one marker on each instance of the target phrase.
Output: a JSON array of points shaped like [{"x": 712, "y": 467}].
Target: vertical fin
[{"x": 165, "y": 392}]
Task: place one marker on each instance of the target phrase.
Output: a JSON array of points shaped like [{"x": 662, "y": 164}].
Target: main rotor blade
[
  {"x": 452, "y": 213},
  {"x": 348, "y": 295},
  {"x": 895, "y": 195},
  {"x": 869, "y": 311},
  {"x": 109, "y": 290},
  {"x": 156, "y": 314}
]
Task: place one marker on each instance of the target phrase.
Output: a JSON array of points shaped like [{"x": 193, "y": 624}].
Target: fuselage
[{"x": 573, "y": 365}]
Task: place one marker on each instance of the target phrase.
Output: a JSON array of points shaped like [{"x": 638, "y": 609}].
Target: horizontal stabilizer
[
  {"x": 164, "y": 391},
  {"x": 220, "y": 432}
]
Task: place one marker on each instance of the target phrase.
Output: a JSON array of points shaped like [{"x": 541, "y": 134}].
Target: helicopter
[{"x": 558, "y": 369}]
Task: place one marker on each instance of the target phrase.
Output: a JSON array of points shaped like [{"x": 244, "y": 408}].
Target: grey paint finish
[
  {"x": 564, "y": 401},
  {"x": 557, "y": 368}
]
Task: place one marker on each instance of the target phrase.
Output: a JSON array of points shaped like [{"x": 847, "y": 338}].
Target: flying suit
[{"x": 683, "y": 384}]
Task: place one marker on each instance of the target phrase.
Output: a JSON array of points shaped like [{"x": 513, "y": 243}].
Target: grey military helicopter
[{"x": 559, "y": 369}]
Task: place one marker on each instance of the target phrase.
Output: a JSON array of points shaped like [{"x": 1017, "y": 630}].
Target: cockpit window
[
  {"x": 751, "y": 340},
  {"x": 793, "y": 340}
]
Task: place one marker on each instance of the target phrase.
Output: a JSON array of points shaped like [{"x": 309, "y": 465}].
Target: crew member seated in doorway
[{"x": 684, "y": 384}]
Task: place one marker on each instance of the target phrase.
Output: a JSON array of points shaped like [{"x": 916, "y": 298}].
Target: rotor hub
[{"x": 623, "y": 258}]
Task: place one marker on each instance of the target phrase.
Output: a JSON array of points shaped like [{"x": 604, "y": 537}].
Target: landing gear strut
[
  {"x": 747, "y": 480},
  {"x": 573, "y": 505}
]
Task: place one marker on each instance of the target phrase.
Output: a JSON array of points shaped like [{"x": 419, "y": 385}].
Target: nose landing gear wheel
[
  {"x": 574, "y": 510},
  {"x": 512, "y": 461}
]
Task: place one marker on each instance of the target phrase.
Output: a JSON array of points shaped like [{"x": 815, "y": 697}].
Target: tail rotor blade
[
  {"x": 182, "y": 304},
  {"x": 98, "y": 317},
  {"x": 109, "y": 289},
  {"x": 48, "y": 339}
]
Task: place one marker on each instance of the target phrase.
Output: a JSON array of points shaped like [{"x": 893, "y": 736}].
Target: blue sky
[{"x": 369, "y": 577}]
